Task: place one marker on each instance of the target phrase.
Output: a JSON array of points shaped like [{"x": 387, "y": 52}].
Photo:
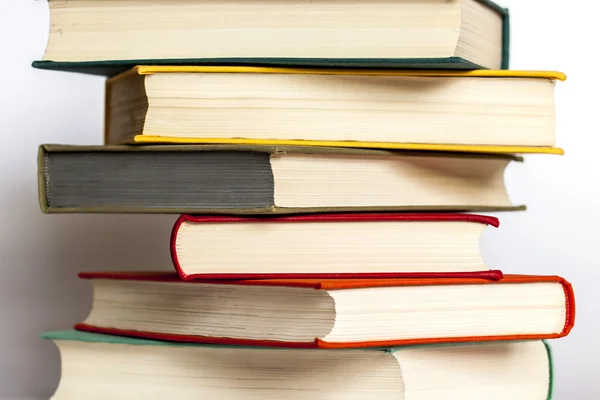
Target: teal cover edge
[
  {"x": 551, "y": 371},
  {"x": 113, "y": 67},
  {"x": 505, "y": 30},
  {"x": 79, "y": 336},
  {"x": 505, "y": 39}
]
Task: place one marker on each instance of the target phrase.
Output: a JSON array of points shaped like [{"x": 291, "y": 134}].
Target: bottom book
[{"x": 96, "y": 366}]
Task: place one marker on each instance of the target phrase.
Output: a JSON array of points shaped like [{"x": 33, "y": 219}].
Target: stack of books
[{"x": 326, "y": 159}]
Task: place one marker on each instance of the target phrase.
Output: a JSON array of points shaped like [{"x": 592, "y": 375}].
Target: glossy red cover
[{"x": 368, "y": 217}]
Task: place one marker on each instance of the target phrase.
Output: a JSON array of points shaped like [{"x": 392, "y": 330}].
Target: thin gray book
[{"x": 254, "y": 179}]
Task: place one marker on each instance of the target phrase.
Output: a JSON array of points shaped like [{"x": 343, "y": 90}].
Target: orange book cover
[{"x": 337, "y": 284}]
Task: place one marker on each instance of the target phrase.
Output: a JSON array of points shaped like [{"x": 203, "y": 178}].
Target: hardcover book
[
  {"x": 110, "y": 367},
  {"x": 338, "y": 313},
  {"x": 109, "y": 36},
  {"x": 125, "y": 368},
  {"x": 478, "y": 111},
  {"x": 255, "y": 179},
  {"x": 328, "y": 245}
]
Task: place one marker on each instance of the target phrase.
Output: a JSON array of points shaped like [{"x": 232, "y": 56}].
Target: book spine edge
[
  {"x": 550, "y": 370},
  {"x": 570, "y": 308},
  {"x": 505, "y": 39},
  {"x": 42, "y": 194},
  {"x": 173, "y": 247},
  {"x": 107, "y": 100}
]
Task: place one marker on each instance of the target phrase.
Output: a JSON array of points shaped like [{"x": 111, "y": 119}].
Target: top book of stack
[{"x": 110, "y": 36}]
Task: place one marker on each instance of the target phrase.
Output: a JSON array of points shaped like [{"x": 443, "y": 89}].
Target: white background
[{"x": 40, "y": 255}]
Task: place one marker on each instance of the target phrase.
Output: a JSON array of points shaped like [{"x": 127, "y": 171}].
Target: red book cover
[
  {"x": 415, "y": 217},
  {"x": 338, "y": 284}
]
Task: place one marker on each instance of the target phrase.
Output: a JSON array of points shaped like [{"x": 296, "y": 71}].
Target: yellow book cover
[{"x": 181, "y": 107}]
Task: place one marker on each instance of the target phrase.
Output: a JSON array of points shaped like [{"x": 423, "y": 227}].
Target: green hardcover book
[
  {"x": 107, "y": 36},
  {"x": 96, "y": 366},
  {"x": 257, "y": 179}
]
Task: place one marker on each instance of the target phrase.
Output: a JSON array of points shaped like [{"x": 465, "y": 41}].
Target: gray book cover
[{"x": 207, "y": 179}]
